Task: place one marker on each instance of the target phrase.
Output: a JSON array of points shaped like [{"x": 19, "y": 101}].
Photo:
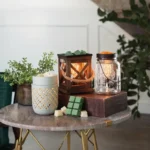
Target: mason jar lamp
[{"x": 107, "y": 74}]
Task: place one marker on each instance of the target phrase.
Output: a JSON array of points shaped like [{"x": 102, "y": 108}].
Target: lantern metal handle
[{"x": 77, "y": 80}]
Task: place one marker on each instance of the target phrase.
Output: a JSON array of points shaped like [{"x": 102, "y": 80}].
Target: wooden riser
[{"x": 99, "y": 105}]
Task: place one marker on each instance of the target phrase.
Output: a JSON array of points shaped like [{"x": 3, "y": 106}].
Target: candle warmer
[
  {"x": 107, "y": 74},
  {"x": 75, "y": 73}
]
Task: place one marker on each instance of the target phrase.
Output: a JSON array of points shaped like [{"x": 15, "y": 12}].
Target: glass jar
[{"x": 107, "y": 74}]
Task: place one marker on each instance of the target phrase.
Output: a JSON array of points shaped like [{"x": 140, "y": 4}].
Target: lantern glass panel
[{"x": 78, "y": 70}]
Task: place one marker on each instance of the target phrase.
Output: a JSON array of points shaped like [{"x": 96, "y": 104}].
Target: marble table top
[{"x": 23, "y": 117}]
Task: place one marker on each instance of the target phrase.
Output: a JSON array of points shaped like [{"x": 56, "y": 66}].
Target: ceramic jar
[{"x": 45, "y": 95}]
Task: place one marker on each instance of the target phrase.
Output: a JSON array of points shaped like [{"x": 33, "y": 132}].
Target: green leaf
[
  {"x": 101, "y": 12},
  {"x": 134, "y": 109},
  {"x": 136, "y": 114},
  {"x": 148, "y": 93},
  {"x": 143, "y": 87},
  {"x": 143, "y": 2},
  {"x": 134, "y": 8},
  {"x": 77, "y": 52},
  {"x": 133, "y": 86},
  {"x": 131, "y": 102},
  {"x": 131, "y": 93},
  {"x": 132, "y": 2},
  {"x": 112, "y": 16},
  {"x": 83, "y": 52},
  {"x": 127, "y": 13},
  {"x": 119, "y": 52},
  {"x": 19, "y": 72},
  {"x": 47, "y": 63},
  {"x": 68, "y": 53}
]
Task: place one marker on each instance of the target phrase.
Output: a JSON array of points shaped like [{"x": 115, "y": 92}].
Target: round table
[{"x": 23, "y": 117}]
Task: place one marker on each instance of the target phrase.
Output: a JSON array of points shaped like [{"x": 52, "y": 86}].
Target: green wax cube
[
  {"x": 77, "y": 106},
  {"x": 70, "y": 105},
  {"x": 79, "y": 100},
  {"x": 74, "y": 106},
  {"x": 72, "y": 99},
  {"x": 75, "y": 112},
  {"x": 68, "y": 111}
]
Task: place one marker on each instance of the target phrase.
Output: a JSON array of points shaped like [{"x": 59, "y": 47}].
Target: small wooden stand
[{"x": 99, "y": 105}]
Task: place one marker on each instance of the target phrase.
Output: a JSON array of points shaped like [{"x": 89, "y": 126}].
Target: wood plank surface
[{"x": 130, "y": 135}]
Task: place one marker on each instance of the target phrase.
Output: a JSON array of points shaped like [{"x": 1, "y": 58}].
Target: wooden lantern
[{"x": 75, "y": 74}]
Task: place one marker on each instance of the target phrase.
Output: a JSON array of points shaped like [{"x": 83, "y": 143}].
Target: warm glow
[
  {"x": 106, "y": 52},
  {"x": 78, "y": 67},
  {"x": 108, "y": 70}
]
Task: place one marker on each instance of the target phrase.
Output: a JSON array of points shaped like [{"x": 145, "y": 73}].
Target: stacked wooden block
[{"x": 98, "y": 105}]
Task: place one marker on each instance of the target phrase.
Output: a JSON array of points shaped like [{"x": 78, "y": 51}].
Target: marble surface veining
[{"x": 23, "y": 117}]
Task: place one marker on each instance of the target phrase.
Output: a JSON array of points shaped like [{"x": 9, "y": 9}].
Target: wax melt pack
[{"x": 74, "y": 106}]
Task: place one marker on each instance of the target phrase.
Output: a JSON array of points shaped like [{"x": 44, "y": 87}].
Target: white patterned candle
[{"x": 45, "y": 94}]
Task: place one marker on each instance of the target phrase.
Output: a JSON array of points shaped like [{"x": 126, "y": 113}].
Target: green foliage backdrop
[{"x": 134, "y": 55}]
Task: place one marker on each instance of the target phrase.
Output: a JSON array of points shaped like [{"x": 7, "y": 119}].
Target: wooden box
[{"x": 99, "y": 105}]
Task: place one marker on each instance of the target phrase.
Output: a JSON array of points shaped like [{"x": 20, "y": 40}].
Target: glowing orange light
[
  {"x": 108, "y": 70},
  {"x": 78, "y": 67},
  {"x": 106, "y": 52}
]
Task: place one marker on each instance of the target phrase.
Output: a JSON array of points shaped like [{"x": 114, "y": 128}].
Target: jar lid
[{"x": 106, "y": 56}]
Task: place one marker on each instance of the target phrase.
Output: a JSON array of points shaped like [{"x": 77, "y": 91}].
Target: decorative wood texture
[
  {"x": 134, "y": 134},
  {"x": 99, "y": 105}
]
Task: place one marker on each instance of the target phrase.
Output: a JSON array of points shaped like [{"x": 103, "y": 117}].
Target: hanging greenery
[{"x": 134, "y": 55}]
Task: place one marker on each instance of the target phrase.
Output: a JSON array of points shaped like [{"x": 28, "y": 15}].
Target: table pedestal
[{"x": 84, "y": 135}]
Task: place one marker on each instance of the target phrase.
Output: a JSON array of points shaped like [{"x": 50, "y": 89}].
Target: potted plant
[
  {"x": 20, "y": 74},
  {"x": 45, "y": 65},
  {"x": 134, "y": 55}
]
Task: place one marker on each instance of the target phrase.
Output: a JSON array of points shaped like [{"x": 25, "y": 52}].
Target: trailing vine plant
[{"x": 134, "y": 55}]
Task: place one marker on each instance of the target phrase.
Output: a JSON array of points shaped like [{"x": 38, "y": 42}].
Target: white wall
[
  {"x": 30, "y": 27},
  {"x": 21, "y": 4}
]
